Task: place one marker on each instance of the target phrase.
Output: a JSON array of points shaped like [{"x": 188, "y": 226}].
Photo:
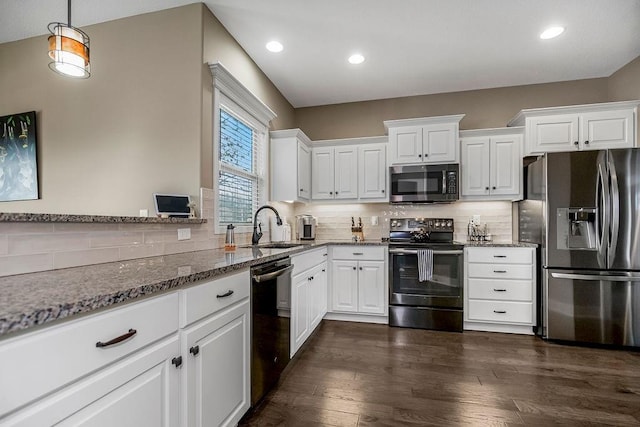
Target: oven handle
[{"x": 413, "y": 252}]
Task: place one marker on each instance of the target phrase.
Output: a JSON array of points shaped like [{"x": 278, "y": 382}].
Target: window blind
[{"x": 241, "y": 169}]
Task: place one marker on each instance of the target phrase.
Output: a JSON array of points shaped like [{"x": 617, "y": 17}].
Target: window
[
  {"x": 240, "y": 125},
  {"x": 240, "y": 179}
]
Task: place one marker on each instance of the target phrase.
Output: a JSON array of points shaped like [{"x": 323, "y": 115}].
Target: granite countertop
[
  {"x": 34, "y": 299},
  {"x": 106, "y": 219},
  {"x": 30, "y": 300}
]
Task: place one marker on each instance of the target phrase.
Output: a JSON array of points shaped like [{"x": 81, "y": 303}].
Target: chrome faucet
[{"x": 257, "y": 227}]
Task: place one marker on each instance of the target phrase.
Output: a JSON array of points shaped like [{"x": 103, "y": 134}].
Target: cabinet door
[
  {"x": 553, "y": 133},
  {"x": 300, "y": 286},
  {"x": 344, "y": 286},
  {"x": 406, "y": 144},
  {"x": 439, "y": 143},
  {"x": 304, "y": 172},
  {"x": 217, "y": 356},
  {"x": 372, "y": 170},
  {"x": 607, "y": 129},
  {"x": 346, "y": 172},
  {"x": 322, "y": 171},
  {"x": 475, "y": 166},
  {"x": 318, "y": 296},
  {"x": 141, "y": 390},
  {"x": 371, "y": 289},
  {"x": 506, "y": 166}
]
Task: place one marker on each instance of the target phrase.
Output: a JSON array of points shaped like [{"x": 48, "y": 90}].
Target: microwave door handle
[{"x": 444, "y": 182}]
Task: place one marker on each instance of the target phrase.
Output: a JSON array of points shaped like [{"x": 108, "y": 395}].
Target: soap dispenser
[{"x": 229, "y": 239}]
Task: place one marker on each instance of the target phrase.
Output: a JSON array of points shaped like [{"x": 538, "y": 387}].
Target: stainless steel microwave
[{"x": 424, "y": 183}]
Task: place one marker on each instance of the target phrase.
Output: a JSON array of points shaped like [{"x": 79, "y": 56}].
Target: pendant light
[{"x": 69, "y": 49}]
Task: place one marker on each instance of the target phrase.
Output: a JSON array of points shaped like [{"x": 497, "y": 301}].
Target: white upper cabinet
[
  {"x": 580, "y": 127},
  {"x": 372, "y": 171},
  {"x": 334, "y": 173},
  {"x": 424, "y": 140},
  {"x": 350, "y": 169},
  {"x": 290, "y": 166},
  {"x": 322, "y": 177},
  {"x": 491, "y": 164}
]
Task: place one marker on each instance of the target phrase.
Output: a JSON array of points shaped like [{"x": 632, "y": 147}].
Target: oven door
[
  {"x": 422, "y": 183},
  {"x": 443, "y": 290}
]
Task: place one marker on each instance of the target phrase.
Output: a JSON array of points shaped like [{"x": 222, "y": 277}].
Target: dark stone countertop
[
  {"x": 34, "y": 299},
  {"x": 44, "y": 217}
]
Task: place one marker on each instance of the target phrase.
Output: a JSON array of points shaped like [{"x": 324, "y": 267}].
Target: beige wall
[
  {"x": 107, "y": 143},
  {"x": 220, "y": 46},
  {"x": 624, "y": 84},
  {"x": 485, "y": 108}
]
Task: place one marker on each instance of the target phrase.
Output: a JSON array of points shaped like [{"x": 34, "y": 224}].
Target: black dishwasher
[{"x": 270, "y": 314}]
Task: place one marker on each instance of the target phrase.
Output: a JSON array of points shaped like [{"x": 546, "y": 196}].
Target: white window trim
[{"x": 237, "y": 99}]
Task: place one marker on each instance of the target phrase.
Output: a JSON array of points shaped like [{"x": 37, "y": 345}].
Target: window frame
[{"x": 242, "y": 103}]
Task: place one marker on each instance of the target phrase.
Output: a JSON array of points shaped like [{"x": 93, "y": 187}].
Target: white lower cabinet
[
  {"x": 132, "y": 366},
  {"x": 59, "y": 375},
  {"x": 217, "y": 378},
  {"x": 216, "y": 382},
  {"x": 359, "y": 280},
  {"x": 308, "y": 295},
  {"x": 499, "y": 289}
]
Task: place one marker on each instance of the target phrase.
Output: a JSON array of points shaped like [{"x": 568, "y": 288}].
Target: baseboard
[{"x": 363, "y": 318}]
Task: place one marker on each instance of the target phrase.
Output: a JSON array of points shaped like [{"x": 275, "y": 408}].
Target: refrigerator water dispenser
[{"x": 577, "y": 228}]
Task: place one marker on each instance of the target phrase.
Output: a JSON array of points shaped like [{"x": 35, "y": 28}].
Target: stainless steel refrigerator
[{"x": 583, "y": 209}]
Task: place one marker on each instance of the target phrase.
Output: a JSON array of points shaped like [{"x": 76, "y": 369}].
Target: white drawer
[
  {"x": 504, "y": 290},
  {"x": 501, "y": 255},
  {"x": 309, "y": 259},
  {"x": 370, "y": 253},
  {"x": 204, "y": 299},
  {"x": 500, "y": 311},
  {"x": 40, "y": 362},
  {"x": 500, "y": 271}
]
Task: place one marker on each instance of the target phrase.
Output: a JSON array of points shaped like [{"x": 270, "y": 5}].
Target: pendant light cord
[{"x": 69, "y": 12}]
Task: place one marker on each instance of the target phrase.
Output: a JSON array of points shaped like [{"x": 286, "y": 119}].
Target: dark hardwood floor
[{"x": 356, "y": 374}]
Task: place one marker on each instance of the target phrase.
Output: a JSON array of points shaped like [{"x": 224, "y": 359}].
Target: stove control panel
[{"x": 421, "y": 224}]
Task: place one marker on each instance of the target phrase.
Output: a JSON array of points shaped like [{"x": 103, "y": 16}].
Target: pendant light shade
[{"x": 69, "y": 49}]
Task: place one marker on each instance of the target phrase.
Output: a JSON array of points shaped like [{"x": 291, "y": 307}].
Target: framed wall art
[{"x": 18, "y": 162}]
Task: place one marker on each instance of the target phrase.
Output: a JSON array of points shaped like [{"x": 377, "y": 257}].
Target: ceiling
[{"x": 412, "y": 47}]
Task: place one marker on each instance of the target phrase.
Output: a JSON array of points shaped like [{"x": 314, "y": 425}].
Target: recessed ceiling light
[
  {"x": 274, "y": 46},
  {"x": 356, "y": 59},
  {"x": 551, "y": 32}
]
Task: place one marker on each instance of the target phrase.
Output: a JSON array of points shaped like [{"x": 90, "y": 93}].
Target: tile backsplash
[
  {"x": 334, "y": 221},
  {"x": 30, "y": 247}
]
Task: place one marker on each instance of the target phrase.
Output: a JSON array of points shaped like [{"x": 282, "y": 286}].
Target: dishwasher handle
[{"x": 272, "y": 275}]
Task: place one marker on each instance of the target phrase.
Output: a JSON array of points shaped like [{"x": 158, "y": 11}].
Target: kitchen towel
[{"x": 425, "y": 264}]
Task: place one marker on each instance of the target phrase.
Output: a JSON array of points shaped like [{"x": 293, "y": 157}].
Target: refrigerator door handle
[
  {"x": 602, "y": 214},
  {"x": 614, "y": 212},
  {"x": 597, "y": 277}
]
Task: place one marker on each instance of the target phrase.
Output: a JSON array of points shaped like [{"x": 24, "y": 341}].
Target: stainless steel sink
[{"x": 276, "y": 245}]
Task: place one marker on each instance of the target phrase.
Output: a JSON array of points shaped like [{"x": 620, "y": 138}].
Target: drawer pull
[
  {"x": 117, "y": 340},
  {"x": 500, "y": 311},
  {"x": 499, "y": 271},
  {"x": 358, "y": 253},
  {"x": 499, "y": 256},
  {"x": 226, "y": 294},
  {"x": 500, "y": 290}
]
